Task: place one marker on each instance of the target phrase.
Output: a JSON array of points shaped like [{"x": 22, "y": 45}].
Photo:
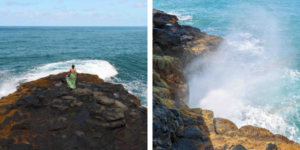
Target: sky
[{"x": 73, "y": 13}]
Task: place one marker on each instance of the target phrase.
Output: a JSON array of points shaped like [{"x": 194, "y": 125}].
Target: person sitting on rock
[{"x": 72, "y": 79}]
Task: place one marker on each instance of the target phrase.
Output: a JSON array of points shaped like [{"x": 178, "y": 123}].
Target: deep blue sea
[
  {"x": 115, "y": 54},
  {"x": 255, "y": 79}
]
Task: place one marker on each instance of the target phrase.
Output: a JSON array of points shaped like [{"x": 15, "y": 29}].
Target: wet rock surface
[
  {"x": 175, "y": 125},
  {"x": 47, "y": 114}
]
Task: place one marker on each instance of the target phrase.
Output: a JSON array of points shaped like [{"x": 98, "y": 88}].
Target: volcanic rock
[
  {"x": 180, "y": 41},
  {"x": 46, "y": 114}
]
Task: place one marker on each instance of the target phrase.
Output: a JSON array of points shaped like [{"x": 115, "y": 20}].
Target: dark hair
[{"x": 73, "y": 66}]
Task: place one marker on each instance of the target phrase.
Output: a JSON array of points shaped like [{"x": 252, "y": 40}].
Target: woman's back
[
  {"x": 72, "y": 70},
  {"x": 72, "y": 79}
]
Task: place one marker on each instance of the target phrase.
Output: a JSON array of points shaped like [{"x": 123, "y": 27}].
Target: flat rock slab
[
  {"x": 113, "y": 114},
  {"x": 76, "y": 104},
  {"x": 105, "y": 100},
  {"x": 68, "y": 98},
  {"x": 62, "y": 108},
  {"x": 58, "y": 123},
  {"x": 57, "y": 101},
  {"x": 31, "y": 99},
  {"x": 82, "y": 92},
  {"x": 98, "y": 94},
  {"x": 52, "y": 94},
  {"x": 117, "y": 124},
  {"x": 118, "y": 104},
  {"x": 95, "y": 110},
  {"x": 94, "y": 124},
  {"x": 192, "y": 132}
]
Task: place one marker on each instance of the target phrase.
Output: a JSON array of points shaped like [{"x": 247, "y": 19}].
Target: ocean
[
  {"x": 115, "y": 54},
  {"x": 255, "y": 77}
]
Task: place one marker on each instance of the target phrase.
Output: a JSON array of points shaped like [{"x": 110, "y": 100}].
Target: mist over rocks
[
  {"x": 47, "y": 114},
  {"x": 175, "y": 125}
]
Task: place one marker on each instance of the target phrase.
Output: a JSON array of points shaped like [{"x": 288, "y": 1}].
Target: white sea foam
[
  {"x": 99, "y": 67},
  {"x": 293, "y": 75},
  {"x": 135, "y": 86},
  {"x": 246, "y": 43},
  {"x": 225, "y": 104},
  {"x": 275, "y": 122},
  {"x": 3, "y": 72},
  {"x": 211, "y": 29},
  {"x": 181, "y": 17}
]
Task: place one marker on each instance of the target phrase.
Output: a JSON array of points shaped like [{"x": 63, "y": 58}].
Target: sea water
[
  {"x": 255, "y": 77},
  {"x": 115, "y": 54}
]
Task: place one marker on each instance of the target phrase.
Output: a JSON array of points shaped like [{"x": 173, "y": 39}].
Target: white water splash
[
  {"x": 182, "y": 17},
  {"x": 98, "y": 67},
  {"x": 248, "y": 81}
]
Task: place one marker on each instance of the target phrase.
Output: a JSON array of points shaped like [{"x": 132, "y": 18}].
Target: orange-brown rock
[
  {"x": 223, "y": 125},
  {"x": 227, "y": 135}
]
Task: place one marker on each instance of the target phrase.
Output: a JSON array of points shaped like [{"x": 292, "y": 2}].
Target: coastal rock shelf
[
  {"x": 175, "y": 125},
  {"x": 47, "y": 114}
]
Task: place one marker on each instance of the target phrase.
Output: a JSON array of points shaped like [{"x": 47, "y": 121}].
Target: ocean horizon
[{"x": 116, "y": 54}]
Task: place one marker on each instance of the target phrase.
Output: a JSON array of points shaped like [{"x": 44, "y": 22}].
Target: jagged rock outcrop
[
  {"x": 175, "y": 125},
  {"x": 180, "y": 41},
  {"x": 47, "y": 114}
]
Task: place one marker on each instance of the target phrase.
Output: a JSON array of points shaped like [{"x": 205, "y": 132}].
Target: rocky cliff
[
  {"x": 46, "y": 114},
  {"x": 180, "y": 41},
  {"x": 175, "y": 125}
]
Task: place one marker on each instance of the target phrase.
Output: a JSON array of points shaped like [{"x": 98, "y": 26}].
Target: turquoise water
[
  {"x": 116, "y": 54},
  {"x": 255, "y": 79}
]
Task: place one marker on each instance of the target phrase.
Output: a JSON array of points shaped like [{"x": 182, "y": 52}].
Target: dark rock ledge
[
  {"x": 46, "y": 114},
  {"x": 175, "y": 125}
]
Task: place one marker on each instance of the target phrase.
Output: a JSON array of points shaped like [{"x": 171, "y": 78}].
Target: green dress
[{"x": 72, "y": 80}]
